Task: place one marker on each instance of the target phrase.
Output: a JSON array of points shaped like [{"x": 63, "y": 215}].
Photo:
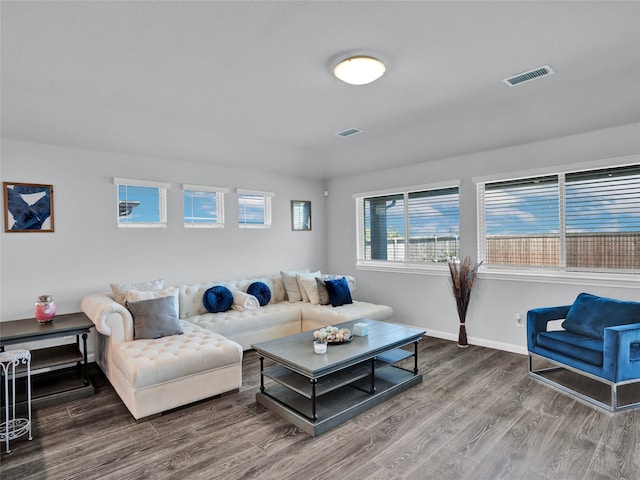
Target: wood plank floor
[{"x": 477, "y": 415}]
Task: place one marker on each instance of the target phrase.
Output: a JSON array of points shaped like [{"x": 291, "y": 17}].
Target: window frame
[
  {"x": 407, "y": 266},
  {"x": 219, "y": 195},
  {"x": 268, "y": 208},
  {"x": 561, "y": 273},
  {"x": 162, "y": 202}
]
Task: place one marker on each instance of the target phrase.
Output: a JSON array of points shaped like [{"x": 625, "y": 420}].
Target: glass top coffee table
[{"x": 318, "y": 392}]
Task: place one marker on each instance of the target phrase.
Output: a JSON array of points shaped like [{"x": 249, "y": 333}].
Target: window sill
[
  {"x": 438, "y": 269},
  {"x": 564, "y": 278},
  {"x": 553, "y": 277}
]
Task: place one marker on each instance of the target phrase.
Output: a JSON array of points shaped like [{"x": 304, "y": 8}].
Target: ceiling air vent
[
  {"x": 348, "y": 132},
  {"x": 528, "y": 76}
]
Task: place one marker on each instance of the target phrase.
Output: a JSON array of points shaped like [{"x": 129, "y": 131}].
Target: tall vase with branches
[{"x": 463, "y": 277}]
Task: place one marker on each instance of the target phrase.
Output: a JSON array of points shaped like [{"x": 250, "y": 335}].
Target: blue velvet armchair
[{"x": 600, "y": 339}]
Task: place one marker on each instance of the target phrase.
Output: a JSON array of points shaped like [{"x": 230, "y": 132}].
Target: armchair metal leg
[{"x": 613, "y": 386}]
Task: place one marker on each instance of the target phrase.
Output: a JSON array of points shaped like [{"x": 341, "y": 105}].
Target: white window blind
[
  {"x": 141, "y": 203},
  {"x": 586, "y": 220},
  {"x": 203, "y": 206},
  {"x": 522, "y": 222},
  {"x": 254, "y": 208},
  {"x": 411, "y": 226},
  {"x": 603, "y": 219}
]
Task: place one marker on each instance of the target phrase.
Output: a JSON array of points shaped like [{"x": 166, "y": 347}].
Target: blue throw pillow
[
  {"x": 217, "y": 299},
  {"x": 261, "y": 291},
  {"x": 339, "y": 293},
  {"x": 590, "y": 315}
]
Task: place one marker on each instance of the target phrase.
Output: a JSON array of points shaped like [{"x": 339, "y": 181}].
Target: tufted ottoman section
[
  {"x": 153, "y": 376},
  {"x": 150, "y": 362}
]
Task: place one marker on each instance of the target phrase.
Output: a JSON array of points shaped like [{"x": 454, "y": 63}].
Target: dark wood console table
[{"x": 51, "y": 385}]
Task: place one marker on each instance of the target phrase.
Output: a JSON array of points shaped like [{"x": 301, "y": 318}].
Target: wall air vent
[
  {"x": 348, "y": 132},
  {"x": 525, "y": 77}
]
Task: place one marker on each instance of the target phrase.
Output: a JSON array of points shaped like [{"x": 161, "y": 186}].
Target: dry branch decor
[{"x": 463, "y": 278}]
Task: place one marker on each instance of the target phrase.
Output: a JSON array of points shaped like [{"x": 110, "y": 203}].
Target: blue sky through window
[
  {"x": 148, "y": 208},
  {"x": 251, "y": 209},
  {"x": 200, "y": 207}
]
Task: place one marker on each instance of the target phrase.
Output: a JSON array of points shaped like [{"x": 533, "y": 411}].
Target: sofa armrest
[
  {"x": 103, "y": 311},
  {"x": 622, "y": 352},
  {"x": 538, "y": 318}
]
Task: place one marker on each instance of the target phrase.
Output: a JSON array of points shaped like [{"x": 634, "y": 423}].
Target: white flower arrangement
[{"x": 332, "y": 335}]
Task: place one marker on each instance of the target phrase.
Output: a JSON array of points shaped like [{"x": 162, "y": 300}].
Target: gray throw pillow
[
  {"x": 323, "y": 294},
  {"x": 154, "y": 318}
]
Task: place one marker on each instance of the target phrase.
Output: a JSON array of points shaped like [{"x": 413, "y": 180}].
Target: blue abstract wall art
[{"x": 28, "y": 207}]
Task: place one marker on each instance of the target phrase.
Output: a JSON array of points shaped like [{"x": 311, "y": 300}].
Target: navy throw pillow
[
  {"x": 261, "y": 291},
  {"x": 339, "y": 292},
  {"x": 590, "y": 315},
  {"x": 217, "y": 299}
]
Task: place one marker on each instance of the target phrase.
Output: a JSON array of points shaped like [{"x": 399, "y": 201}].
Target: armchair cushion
[
  {"x": 590, "y": 315},
  {"x": 578, "y": 346}
]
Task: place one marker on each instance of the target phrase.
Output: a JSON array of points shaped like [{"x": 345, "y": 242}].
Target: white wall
[
  {"x": 87, "y": 250},
  {"x": 425, "y": 300}
]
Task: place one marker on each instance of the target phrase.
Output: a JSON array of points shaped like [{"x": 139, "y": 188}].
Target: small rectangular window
[
  {"x": 141, "y": 203},
  {"x": 203, "y": 206},
  {"x": 254, "y": 208}
]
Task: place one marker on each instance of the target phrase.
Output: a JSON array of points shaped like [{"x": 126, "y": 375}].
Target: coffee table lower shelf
[{"x": 340, "y": 405}]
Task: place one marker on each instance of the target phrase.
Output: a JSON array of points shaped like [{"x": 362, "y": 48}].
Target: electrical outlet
[{"x": 519, "y": 320}]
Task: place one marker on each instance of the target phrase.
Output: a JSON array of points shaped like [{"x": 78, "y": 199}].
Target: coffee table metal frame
[{"x": 318, "y": 392}]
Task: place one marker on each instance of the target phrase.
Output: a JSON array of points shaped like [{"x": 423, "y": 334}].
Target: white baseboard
[{"x": 481, "y": 342}]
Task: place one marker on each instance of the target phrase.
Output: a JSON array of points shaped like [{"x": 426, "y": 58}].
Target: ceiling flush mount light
[{"x": 359, "y": 70}]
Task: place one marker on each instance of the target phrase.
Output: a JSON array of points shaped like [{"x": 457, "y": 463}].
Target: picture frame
[
  {"x": 300, "y": 215},
  {"x": 28, "y": 207}
]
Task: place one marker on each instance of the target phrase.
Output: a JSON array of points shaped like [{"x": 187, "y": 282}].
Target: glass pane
[
  {"x": 251, "y": 209},
  {"x": 603, "y": 219},
  {"x": 138, "y": 204},
  {"x": 522, "y": 220},
  {"x": 200, "y": 207},
  {"x": 434, "y": 220},
  {"x": 384, "y": 228}
]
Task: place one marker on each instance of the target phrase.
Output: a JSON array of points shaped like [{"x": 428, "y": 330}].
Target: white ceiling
[{"x": 249, "y": 84}]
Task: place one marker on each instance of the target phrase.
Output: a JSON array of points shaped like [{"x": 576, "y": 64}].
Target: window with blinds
[
  {"x": 203, "y": 206},
  {"x": 416, "y": 226},
  {"x": 522, "y": 222},
  {"x": 587, "y": 220},
  {"x": 141, "y": 203},
  {"x": 603, "y": 219},
  {"x": 254, "y": 208}
]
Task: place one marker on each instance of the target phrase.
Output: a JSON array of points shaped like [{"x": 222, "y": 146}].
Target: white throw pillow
[
  {"x": 139, "y": 295},
  {"x": 119, "y": 290},
  {"x": 291, "y": 284},
  {"x": 308, "y": 287}
]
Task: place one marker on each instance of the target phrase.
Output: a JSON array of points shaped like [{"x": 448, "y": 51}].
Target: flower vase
[{"x": 462, "y": 336}]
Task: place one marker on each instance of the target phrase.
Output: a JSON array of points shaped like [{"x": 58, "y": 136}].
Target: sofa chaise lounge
[
  {"x": 153, "y": 375},
  {"x": 600, "y": 339}
]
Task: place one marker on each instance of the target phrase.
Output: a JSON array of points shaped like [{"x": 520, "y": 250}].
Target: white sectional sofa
[{"x": 158, "y": 374}]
